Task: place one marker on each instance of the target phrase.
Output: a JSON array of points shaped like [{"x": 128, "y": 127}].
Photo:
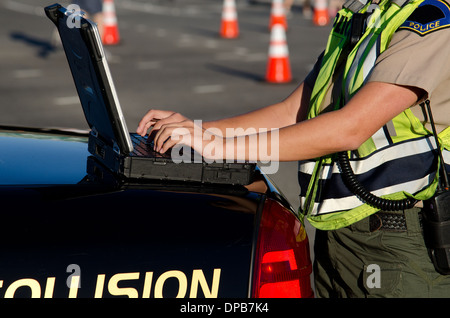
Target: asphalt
[{"x": 170, "y": 56}]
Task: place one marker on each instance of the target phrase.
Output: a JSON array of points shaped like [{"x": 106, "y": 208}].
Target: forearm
[
  {"x": 269, "y": 117},
  {"x": 295, "y": 142}
]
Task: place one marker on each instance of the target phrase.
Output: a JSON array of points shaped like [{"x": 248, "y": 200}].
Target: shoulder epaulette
[{"x": 431, "y": 15}]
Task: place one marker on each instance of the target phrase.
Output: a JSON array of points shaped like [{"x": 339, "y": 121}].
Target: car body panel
[
  {"x": 27, "y": 157},
  {"x": 127, "y": 231}
]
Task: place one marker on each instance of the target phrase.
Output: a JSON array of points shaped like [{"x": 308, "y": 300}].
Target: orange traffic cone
[
  {"x": 321, "y": 16},
  {"x": 229, "y": 27},
  {"x": 278, "y": 65},
  {"x": 277, "y": 14},
  {"x": 110, "y": 28}
]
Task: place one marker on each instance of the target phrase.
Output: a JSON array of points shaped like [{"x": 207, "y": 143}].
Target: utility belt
[
  {"x": 395, "y": 221},
  {"x": 408, "y": 221},
  {"x": 437, "y": 225}
]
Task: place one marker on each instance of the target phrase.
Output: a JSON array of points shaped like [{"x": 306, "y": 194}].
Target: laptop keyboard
[{"x": 141, "y": 146}]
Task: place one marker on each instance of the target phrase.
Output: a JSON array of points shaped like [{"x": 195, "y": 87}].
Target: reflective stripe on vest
[{"x": 383, "y": 172}]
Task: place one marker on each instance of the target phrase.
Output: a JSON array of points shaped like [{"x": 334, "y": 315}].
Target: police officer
[{"x": 362, "y": 106}]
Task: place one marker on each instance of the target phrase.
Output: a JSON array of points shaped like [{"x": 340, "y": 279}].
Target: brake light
[{"x": 282, "y": 265}]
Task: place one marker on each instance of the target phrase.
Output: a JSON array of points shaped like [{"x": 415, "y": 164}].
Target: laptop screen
[{"x": 93, "y": 81}]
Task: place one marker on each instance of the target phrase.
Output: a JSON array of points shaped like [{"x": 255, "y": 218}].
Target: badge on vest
[{"x": 431, "y": 15}]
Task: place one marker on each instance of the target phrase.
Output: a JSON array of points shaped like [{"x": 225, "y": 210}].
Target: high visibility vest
[{"x": 399, "y": 160}]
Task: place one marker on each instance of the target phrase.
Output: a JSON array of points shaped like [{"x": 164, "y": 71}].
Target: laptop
[{"x": 127, "y": 155}]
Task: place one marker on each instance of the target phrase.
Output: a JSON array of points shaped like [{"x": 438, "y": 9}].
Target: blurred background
[{"x": 169, "y": 55}]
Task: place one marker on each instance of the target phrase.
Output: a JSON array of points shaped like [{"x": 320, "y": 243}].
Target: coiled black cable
[{"x": 358, "y": 189}]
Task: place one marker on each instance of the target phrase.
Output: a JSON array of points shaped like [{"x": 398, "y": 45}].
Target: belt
[{"x": 389, "y": 221}]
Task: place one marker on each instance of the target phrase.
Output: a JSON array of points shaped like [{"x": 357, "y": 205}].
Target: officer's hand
[
  {"x": 191, "y": 134},
  {"x": 155, "y": 119},
  {"x": 170, "y": 134}
]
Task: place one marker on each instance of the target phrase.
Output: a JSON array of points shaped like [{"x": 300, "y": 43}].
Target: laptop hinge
[{"x": 73, "y": 11}]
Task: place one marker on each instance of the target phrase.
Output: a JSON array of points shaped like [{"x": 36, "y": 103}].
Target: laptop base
[{"x": 162, "y": 167}]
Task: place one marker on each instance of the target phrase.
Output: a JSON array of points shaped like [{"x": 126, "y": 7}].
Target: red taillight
[{"x": 282, "y": 266}]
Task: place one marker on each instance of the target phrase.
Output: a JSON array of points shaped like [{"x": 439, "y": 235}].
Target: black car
[{"x": 67, "y": 233}]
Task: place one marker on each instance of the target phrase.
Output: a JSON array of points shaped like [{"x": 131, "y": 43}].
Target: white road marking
[
  {"x": 65, "y": 101},
  {"x": 211, "y": 44},
  {"x": 234, "y": 56},
  {"x": 161, "y": 33},
  {"x": 148, "y": 65},
  {"x": 207, "y": 89},
  {"x": 30, "y": 73},
  {"x": 185, "y": 41},
  {"x": 160, "y": 10}
]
